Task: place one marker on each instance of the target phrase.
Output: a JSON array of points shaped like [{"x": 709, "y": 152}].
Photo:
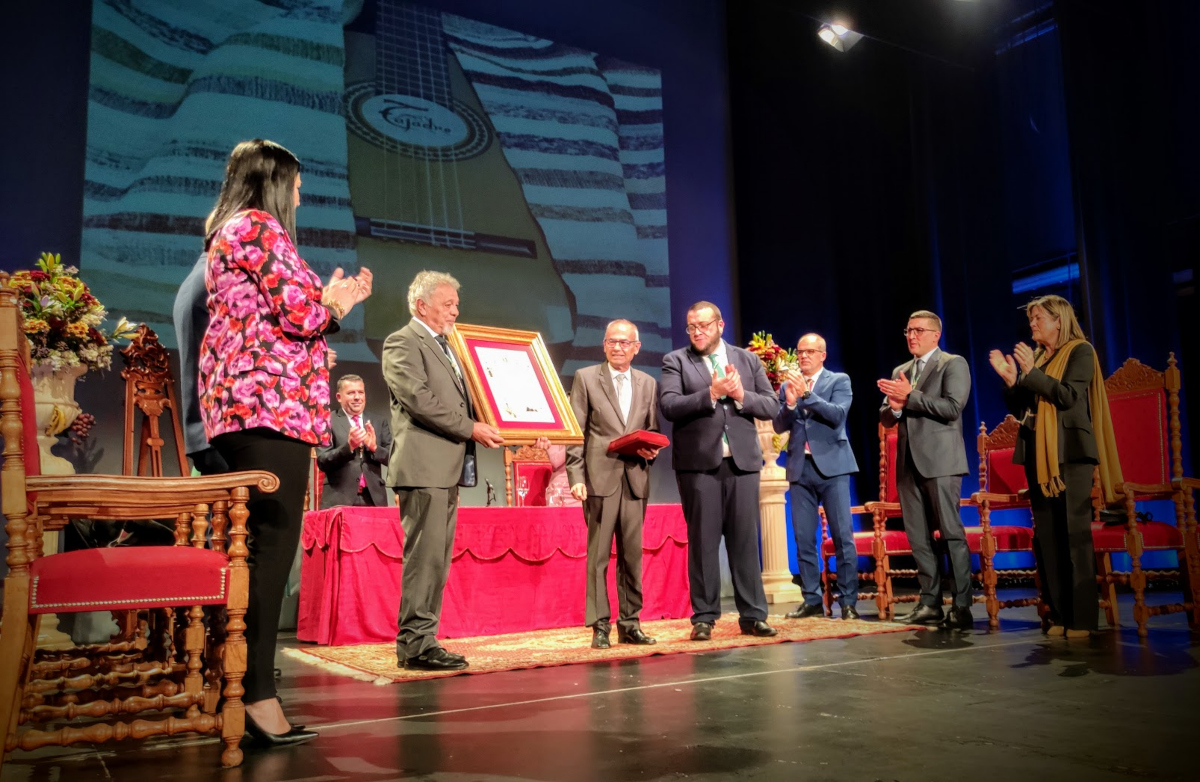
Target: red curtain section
[{"x": 514, "y": 569}]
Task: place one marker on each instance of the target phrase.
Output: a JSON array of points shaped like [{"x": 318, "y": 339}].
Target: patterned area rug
[{"x": 571, "y": 645}]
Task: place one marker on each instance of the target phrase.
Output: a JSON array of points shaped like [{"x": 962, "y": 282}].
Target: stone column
[{"x": 772, "y": 498}]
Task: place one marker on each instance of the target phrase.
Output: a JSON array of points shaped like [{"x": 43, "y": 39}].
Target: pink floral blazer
[{"x": 262, "y": 361}]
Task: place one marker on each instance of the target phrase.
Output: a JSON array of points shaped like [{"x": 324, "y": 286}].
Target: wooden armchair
[
  {"x": 1145, "y": 411},
  {"x": 532, "y": 464},
  {"x": 164, "y": 682},
  {"x": 1002, "y": 487}
]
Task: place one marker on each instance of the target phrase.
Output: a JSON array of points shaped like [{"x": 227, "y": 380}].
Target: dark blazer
[
  {"x": 594, "y": 400},
  {"x": 190, "y": 315},
  {"x": 930, "y": 425},
  {"x": 820, "y": 421},
  {"x": 683, "y": 399},
  {"x": 342, "y": 466},
  {"x": 1076, "y": 440},
  {"x": 431, "y": 421}
]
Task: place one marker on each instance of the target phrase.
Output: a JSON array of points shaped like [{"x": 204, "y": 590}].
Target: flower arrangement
[
  {"x": 776, "y": 360},
  {"x": 62, "y": 317}
]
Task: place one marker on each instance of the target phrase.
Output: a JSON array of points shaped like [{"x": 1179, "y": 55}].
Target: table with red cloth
[{"x": 513, "y": 570}]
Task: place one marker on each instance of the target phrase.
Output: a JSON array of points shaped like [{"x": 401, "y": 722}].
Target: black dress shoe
[
  {"x": 296, "y": 735},
  {"x": 635, "y": 636},
  {"x": 436, "y": 659},
  {"x": 805, "y": 611},
  {"x": 850, "y": 612},
  {"x": 759, "y": 628},
  {"x": 959, "y": 618},
  {"x": 922, "y": 615},
  {"x": 702, "y": 631},
  {"x": 600, "y": 638}
]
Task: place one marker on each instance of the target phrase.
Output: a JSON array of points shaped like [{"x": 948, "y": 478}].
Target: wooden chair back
[
  {"x": 149, "y": 394},
  {"x": 534, "y": 465}
]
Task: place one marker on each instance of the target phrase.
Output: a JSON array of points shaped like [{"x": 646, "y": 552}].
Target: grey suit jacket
[
  {"x": 431, "y": 424},
  {"x": 930, "y": 425},
  {"x": 594, "y": 400},
  {"x": 684, "y": 400},
  {"x": 190, "y": 315},
  {"x": 342, "y": 466}
]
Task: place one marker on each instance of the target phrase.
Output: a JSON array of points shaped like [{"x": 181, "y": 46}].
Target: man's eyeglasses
[
  {"x": 623, "y": 344},
  {"x": 808, "y": 351},
  {"x": 699, "y": 327},
  {"x": 918, "y": 332}
]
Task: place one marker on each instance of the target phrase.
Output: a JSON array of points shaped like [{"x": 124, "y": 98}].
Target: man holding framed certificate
[{"x": 611, "y": 400}]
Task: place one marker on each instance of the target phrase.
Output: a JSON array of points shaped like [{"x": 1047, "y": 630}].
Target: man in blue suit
[
  {"x": 815, "y": 404},
  {"x": 713, "y": 392}
]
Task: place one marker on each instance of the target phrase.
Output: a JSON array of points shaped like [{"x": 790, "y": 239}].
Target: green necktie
[
  {"x": 719, "y": 371},
  {"x": 918, "y": 368}
]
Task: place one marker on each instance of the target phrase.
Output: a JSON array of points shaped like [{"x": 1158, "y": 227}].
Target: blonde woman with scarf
[{"x": 1056, "y": 390}]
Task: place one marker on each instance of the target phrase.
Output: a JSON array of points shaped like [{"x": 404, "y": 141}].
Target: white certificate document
[{"x": 515, "y": 386}]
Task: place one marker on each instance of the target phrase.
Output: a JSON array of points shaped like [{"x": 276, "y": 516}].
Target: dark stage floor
[{"x": 931, "y": 706}]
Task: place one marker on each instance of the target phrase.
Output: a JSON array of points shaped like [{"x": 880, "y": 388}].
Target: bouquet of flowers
[
  {"x": 63, "y": 318},
  {"x": 776, "y": 360}
]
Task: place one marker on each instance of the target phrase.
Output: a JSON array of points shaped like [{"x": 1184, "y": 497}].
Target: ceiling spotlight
[{"x": 839, "y": 36}]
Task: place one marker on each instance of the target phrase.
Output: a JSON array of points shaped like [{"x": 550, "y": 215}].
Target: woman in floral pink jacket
[{"x": 264, "y": 386}]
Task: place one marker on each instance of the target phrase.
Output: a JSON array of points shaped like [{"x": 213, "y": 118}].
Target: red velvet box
[{"x": 630, "y": 444}]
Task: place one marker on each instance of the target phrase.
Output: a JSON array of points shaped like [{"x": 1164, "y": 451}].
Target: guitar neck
[
  {"x": 441, "y": 236},
  {"x": 410, "y": 56}
]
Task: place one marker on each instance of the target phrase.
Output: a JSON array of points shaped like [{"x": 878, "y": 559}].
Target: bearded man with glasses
[
  {"x": 924, "y": 399},
  {"x": 713, "y": 392},
  {"x": 612, "y": 399}
]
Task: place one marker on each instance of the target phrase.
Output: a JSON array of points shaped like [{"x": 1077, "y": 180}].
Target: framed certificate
[{"x": 513, "y": 385}]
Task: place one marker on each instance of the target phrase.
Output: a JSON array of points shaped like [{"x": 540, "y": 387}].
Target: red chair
[
  {"x": 531, "y": 465},
  {"x": 97, "y": 693},
  {"x": 1144, "y": 404},
  {"x": 1002, "y": 486}
]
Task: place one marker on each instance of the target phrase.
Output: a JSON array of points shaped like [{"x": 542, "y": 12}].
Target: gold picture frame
[{"x": 514, "y": 386}]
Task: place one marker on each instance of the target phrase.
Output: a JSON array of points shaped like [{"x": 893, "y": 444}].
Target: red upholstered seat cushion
[
  {"x": 894, "y": 541},
  {"x": 1004, "y": 477},
  {"x": 1156, "y": 535},
  {"x": 1008, "y": 538},
  {"x": 538, "y": 474},
  {"x": 1140, "y": 425},
  {"x": 109, "y": 579}
]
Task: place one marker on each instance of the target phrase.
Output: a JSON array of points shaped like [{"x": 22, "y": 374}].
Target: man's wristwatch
[{"x": 806, "y": 394}]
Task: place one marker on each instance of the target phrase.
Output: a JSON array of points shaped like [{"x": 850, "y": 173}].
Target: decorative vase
[
  {"x": 772, "y": 505},
  {"x": 56, "y": 410},
  {"x": 54, "y": 401}
]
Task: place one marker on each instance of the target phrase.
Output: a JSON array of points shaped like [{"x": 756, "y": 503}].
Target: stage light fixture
[{"x": 839, "y": 36}]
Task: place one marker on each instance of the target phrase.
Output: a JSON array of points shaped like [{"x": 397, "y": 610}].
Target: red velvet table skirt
[{"x": 514, "y": 569}]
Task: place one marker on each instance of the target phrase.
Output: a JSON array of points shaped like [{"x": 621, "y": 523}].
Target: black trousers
[
  {"x": 723, "y": 503},
  {"x": 1062, "y": 545},
  {"x": 275, "y": 522}
]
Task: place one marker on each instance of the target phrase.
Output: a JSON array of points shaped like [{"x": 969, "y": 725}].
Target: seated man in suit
[
  {"x": 819, "y": 464},
  {"x": 360, "y": 444}
]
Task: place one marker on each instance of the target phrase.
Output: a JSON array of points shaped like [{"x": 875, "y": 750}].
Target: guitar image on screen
[{"x": 431, "y": 188}]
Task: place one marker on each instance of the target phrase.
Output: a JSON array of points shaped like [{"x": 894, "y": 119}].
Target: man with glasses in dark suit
[{"x": 713, "y": 392}]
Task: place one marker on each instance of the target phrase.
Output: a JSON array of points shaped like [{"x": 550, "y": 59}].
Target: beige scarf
[{"x": 1049, "y": 476}]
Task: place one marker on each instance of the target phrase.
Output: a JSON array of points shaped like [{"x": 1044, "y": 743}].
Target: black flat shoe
[
  {"x": 805, "y": 611},
  {"x": 922, "y": 615},
  {"x": 702, "y": 631},
  {"x": 759, "y": 628},
  {"x": 850, "y": 612},
  {"x": 635, "y": 636},
  {"x": 959, "y": 618},
  {"x": 296, "y": 735},
  {"x": 436, "y": 659},
  {"x": 600, "y": 638}
]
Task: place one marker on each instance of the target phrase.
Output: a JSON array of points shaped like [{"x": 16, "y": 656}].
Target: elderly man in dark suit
[
  {"x": 360, "y": 445},
  {"x": 612, "y": 399},
  {"x": 435, "y": 433},
  {"x": 713, "y": 392},
  {"x": 820, "y": 462},
  {"x": 924, "y": 399}
]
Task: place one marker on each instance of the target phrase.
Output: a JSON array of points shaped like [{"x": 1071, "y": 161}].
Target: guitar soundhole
[{"x": 416, "y": 127}]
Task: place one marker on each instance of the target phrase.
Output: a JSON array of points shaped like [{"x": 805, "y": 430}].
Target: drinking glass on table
[{"x": 522, "y": 489}]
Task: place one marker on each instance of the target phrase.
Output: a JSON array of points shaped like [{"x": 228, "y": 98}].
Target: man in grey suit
[
  {"x": 610, "y": 400},
  {"x": 820, "y": 462},
  {"x": 360, "y": 445},
  {"x": 713, "y": 392},
  {"x": 433, "y": 453},
  {"x": 925, "y": 399}
]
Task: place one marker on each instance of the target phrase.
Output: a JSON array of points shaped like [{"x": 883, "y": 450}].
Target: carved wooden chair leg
[
  {"x": 1190, "y": 567},
  {"x": 233, "y": 715},
  {"x": 193, "y": 683},
  {"x": 1109, "y": 588}
]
